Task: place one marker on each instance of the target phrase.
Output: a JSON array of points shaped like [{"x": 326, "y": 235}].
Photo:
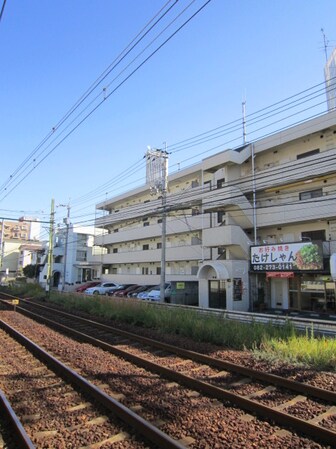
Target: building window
[
  {"x": 114, "y": 270},
  {"x": 220, "y": 183},
  {"x": 81, "y": 256},
  {"x": 207, "y": 185},
  {"x": 195, "y": 211},
  {"x": 221, "y": 252},
  {"x": 310, "y": 194},
  {"x": 116, "y": 230},
  {"x": 115, "y": 250},
  {"x": 220, "y": 216},
  {"x": 314, "y": 235},
  {"x": 146, "y": 223},
  {"x": 159, "y": 245},
  {"x": 196, "y": 240},
  {"x": 159, "y": 220},
  {"x": 194, "y": 270},
  {"x": 194, "y": 183},
  {"x": 158, "y": 270},
  {"x": 145, "y": 270},
  {"x": 308, "y": 153},
  {"x": 145, "y": 247}
]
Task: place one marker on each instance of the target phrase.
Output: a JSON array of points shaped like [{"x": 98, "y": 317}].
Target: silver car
[{"x": 101, "y": 289}]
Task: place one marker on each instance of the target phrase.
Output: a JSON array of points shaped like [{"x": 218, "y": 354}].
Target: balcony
[
  {"x": 174, "y": 226},
  {"x": 177, "y": 253},
  {"x": 228, "y": 236},
  {"x": 299, "y": 211}
]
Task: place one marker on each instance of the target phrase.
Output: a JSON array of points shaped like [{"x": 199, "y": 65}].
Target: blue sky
[{"x": 51, "y": 52}]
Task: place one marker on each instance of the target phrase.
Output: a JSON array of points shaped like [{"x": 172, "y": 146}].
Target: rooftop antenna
[{"x": 325, "y": 44}]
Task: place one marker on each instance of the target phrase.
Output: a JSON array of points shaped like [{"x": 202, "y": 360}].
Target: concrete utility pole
[
  {"x": 50, "y": 249},
  {"x": 164, "y": 226},
  {"x": 67, "y": 223},
  {"x": 157, "y": 176}
]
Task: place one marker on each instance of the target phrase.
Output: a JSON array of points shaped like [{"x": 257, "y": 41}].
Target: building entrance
[{"x": 217, "y": 294}]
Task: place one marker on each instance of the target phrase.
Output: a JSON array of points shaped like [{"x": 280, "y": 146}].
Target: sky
[{"x": 69, "y": 135}]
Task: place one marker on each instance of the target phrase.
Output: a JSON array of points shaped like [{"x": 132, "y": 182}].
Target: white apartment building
[
  {"x": 250, "y": 226},
  {"x": 71, "y": 258}
]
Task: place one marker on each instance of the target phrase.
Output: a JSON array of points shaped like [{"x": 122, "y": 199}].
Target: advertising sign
[{"x": 301, "y": 256}]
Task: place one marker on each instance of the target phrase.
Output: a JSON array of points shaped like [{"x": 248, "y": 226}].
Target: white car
[
  {"x": 101, "y": 289},
  {"x": 154, "y": 295}
]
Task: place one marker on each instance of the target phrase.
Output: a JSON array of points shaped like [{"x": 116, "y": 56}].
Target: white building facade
[
  {"x": 270, "y": 198},
  {"x": 71, "y": 258}
]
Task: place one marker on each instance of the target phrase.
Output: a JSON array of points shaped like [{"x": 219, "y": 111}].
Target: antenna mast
[{"x": 325, "y": 44}]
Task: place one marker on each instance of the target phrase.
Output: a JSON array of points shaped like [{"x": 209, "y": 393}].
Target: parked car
[
  {"x": 118, "y": 288},
  {"x": 144, "y": 293},
  {"x": 154, "y": 295},
  {"x": 139, "y": 289},
  {"x": 123, "y": 293},
  {"x": 101, "y": 289},
  {"x": 89, "y": 284}
]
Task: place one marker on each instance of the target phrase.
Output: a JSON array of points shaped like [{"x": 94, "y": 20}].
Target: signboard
[
  {"x": 15, "y": 302},
  {"x": 301, "y": 256},
  {"x": 180, "y": 285}
]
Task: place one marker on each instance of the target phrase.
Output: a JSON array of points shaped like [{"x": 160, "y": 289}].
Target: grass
[{"x": 268, "y": 341}]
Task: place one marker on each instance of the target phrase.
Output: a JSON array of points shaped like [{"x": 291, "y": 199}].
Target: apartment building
[
  {"x": 13, "y": 234},
  {"x": 249, "y": 227},
  {"x": 72, "y": 261}
]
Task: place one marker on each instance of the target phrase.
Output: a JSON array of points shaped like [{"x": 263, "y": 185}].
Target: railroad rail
[
  {"x": 132, "y": 419},
  {"x": 249, "y": 402},
  {"x": 18, "y": 430}
]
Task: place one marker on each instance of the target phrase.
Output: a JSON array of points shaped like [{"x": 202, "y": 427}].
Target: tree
[{"x": 31, "y": 271}]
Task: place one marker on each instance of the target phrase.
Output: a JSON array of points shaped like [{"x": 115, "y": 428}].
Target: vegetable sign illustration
[{"x": 308, "y": 258}]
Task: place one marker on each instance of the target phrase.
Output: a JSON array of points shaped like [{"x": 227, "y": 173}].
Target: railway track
[
  {"x": 60, "y": 408},
  {"x": 293, "y": 405}
]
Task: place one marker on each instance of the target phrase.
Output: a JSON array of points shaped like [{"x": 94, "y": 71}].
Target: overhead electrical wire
[{"x": 36, "y": 163}]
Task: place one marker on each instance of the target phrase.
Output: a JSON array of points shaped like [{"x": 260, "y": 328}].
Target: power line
[
  {"x": 36, "y": 163},
  {"x": 2, "y": 9}
]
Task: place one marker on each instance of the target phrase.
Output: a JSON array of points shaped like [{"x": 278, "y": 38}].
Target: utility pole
[
  {"x": 157, "y": 176},
  {"x": 50, "y": 249},
  {"x": 67, "y": 223}
]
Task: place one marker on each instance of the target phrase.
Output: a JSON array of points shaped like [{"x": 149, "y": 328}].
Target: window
[
  {"x": 158, "y": 270},
  {"x": 194, "y": 270},
  {"x": 114, "y": 270},
  {"x": 159, "y": 245},
  {"x": 314, "y": 235},
  {"x": 220, "y": 216},
  {"x": 195, "y": 211},
  {"x": 194, "y": 183},
  {"x": 115, "y": 250},
  {"x": 145, "y": 247},
  {"x": 207, "y": 185},
  {"x": 221, "y": 252},
  {"x": 220, "y": 183},
  {"x": 308, "y": 153},
  {"x": 145, "y": 270},
  {"x": 116, "y": 230},
  {"x": 146, "y": 223},
  {"x": 81, "y": 256},
  {"x": 196, "y": 240},
  {"x": 159, "y": 220},
  {"x": 310, "y": 194}
]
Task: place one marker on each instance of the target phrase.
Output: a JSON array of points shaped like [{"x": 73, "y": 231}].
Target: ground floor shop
[
  {"x": 292, "y": 276},
  {"x": 295, "y": 292}
]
